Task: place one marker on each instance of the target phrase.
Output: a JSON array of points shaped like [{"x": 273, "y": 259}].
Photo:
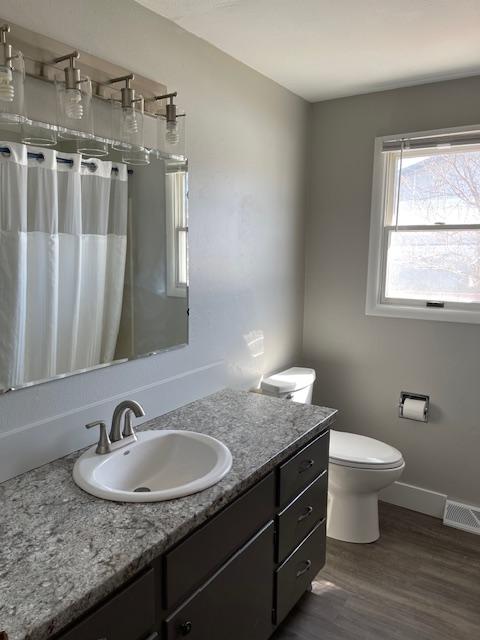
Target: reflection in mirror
[
  {"x": 93, "y": 260},
  {"x": 154, "y": 313}
]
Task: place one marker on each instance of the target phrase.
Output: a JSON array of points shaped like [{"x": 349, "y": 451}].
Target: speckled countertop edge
[{"x": 51, "y": 531}]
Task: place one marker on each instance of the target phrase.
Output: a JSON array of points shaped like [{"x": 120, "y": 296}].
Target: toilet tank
[{"x": 294, "y": 384}]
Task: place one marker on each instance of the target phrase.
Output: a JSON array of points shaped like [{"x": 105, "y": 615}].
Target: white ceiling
[{"x": 322, "y": 49}]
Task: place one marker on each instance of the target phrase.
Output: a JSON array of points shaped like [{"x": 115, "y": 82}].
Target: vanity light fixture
[
  {"x": 71, "y": 89},
  {"x": 127, "y": 114},
  {"x": 171, "y": 135},
  {"x": 7, "y": 90},
  {"x": 12, "y": 76},
  {"x": 74, "y": 97},
  {"x": 170, "y": 132},
  {"x": 127, "y": 123}
]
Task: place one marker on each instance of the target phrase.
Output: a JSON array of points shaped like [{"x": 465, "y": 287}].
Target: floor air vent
[{"x": 462, "y": 516}]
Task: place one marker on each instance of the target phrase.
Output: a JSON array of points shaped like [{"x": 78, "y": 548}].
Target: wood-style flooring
[{"x": 420, "y": 581}]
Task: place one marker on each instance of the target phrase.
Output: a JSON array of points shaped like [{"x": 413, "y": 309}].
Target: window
[
  {"x": 177, "y": 232},
  {"x": 424, "y": 257}
]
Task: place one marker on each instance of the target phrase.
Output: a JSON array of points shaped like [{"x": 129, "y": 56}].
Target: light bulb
[
  {"x": 73, "y": 104},
  {"x": 171, "y": 135},
  {"x": 130, "y": 122},
  {"x": 7, "y": 91}
]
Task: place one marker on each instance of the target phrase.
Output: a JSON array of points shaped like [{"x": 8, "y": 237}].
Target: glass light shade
[
  {"x": 12, "y": 79},
  {"x": 135, "y": 155},
  {"x": 40, "y": 102},
  {"x": 40, "y": 134},
  {"x": 171, "y": 136},
  {"x": 74, "y": 113},
  {"x": 95, "y": 147},
  {"x": 127, "y": 125}
]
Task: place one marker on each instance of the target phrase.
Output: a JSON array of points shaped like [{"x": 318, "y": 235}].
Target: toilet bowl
[{"x": 359, "y": 467}]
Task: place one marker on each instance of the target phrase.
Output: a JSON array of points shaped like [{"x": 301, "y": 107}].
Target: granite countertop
[{"x": 62, "y": 550}]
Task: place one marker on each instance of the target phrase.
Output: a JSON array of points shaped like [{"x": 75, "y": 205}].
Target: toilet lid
[
  {"x": 292, "y": 379},
  {"x": 353, "y": 450}
]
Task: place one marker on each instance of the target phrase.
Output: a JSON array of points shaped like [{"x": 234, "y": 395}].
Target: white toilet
[
  {"x": 359, "y": 466},
  {"x": 294, "y": 384}
]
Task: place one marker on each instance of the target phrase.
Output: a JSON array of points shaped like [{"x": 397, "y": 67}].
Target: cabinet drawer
[
  {"x": 203, "y": 552},
  {"x": 294, "y": 576},
  {"x": 299, "y": 471},
  {"x": 129, "y": 615},
  {"x": 301, "y": 515},
  {"x": 236, "y": 603}
]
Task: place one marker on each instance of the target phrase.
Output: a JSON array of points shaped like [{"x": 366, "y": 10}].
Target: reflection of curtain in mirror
[{"x": 62, "y": 262}]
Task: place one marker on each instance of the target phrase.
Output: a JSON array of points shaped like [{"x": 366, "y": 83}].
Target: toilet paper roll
[{"x": 414, "y": 409}]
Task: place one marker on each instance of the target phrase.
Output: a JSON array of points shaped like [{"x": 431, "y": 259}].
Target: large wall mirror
[
  {"x": 93, "y": 213},
  {"x": 93, "y": 259}
]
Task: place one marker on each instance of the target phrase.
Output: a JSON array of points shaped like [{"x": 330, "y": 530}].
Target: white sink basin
[{"x": 160, "y": 465}]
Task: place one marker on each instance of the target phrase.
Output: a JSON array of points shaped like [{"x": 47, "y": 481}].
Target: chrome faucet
[{"x": 125, "y": 408}]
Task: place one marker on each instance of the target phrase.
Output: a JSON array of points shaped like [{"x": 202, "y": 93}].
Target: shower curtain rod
[{"x": 40, "y": 156}]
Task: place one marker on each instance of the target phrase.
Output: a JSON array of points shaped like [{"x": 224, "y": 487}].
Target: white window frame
[
  {"x": 175, "y": 288},
  {"x": 376, "y": 303}
]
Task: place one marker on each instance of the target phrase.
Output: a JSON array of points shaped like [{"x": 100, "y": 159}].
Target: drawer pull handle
[
  {"x": 305, "y": 465},
  {"x": 306, "y": 514},
  {"x": 301, "y": 572},
  {"x": 186, "y": 628}
]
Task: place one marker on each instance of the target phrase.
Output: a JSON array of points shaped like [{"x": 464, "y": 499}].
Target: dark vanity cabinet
[
  {"x": 236, "y": 602},
  {"x": 239, "y": 574},
  {"x": 302, "y": 484}
]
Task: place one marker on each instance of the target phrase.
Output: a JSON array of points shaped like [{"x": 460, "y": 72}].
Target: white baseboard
[
  {"x": 415, "y": 498},
  {"x": 35, "y": 444}
]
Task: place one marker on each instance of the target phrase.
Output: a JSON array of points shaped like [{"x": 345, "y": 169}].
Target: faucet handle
[{"x": 104, "y": 443}]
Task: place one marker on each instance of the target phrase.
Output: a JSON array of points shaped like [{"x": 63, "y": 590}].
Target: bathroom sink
[{"x": 159, "y": 465}]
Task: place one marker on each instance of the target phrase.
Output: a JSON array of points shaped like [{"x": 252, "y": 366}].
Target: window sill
[
  {"x": 420, "y": 313},
  {"x": 176, "y": 292}
]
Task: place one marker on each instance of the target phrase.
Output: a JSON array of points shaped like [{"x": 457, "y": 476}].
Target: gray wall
[
  {"x": 246, "y": 140},
  {"x": 364, "y": 362}
]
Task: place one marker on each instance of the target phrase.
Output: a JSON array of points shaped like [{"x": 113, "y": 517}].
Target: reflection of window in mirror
[{"x": 177, "y": 231}]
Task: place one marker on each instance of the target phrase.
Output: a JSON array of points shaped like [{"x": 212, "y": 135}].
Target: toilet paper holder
[{"x": 404, "y": 395}]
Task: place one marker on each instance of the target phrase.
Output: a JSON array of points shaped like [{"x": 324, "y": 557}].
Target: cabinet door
[
  {"x": 236, "y": 603},
  {"x": 194, "y": 560},
  {"x": 129, "y": 615}
]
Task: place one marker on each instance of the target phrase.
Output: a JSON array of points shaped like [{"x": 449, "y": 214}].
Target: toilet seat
[{"x": 360, "y": 452}]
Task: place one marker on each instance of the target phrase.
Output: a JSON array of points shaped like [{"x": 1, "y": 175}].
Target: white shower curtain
[{"x": 63, "y": 226}]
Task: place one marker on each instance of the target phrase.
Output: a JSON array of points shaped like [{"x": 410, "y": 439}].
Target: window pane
[
  {"x": 180, "y": 209},
  {"x": 182, "y": 257},
  {"x": 439, "y": 188},
  {"x": 434, "y": 265}
]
